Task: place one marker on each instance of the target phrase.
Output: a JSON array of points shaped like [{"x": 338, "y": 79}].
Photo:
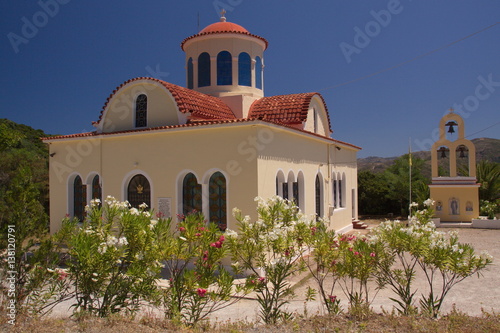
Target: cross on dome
[
  {"x": 451, "y": 110},
  {"x": 222, "y": 15}
]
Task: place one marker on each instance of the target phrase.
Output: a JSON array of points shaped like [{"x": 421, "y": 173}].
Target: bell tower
[{"x": 454, "y": 186}]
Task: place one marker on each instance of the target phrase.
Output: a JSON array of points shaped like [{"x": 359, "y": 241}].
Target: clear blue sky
[{"x": 81, "y": 51}]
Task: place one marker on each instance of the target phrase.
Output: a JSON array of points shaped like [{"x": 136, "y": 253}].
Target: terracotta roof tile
[
  {"x": 286, "y": 109},
  {"x": 222, "y": 28},
  {"x": 189, "y": 101}
]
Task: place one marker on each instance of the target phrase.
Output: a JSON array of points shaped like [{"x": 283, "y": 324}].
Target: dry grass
[{"x": 454, "y": 322}]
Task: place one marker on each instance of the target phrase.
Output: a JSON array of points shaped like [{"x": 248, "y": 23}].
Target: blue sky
[{"x": 59, "y": 64}]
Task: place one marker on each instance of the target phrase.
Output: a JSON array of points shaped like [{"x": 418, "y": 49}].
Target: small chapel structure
[{"x": 211, "y": 146}]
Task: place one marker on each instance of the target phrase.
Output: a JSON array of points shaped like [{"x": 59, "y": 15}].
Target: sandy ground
[{"x": 471, "y": 295}]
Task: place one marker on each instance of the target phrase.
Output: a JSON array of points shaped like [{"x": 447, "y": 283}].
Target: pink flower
[
  {"x": 372, "y": 254},
  {"x": 350, "y": 249},
  {"x": 182, "y": 229},
  {"x": 262, "y": 279},
  {"x": 221, "y": 238},
  {"x": 201, "y": 292},
  {"x": 217, "y": 244},
  {"x": 356, "y": 253},
  {"x": 332, "y": 298}
]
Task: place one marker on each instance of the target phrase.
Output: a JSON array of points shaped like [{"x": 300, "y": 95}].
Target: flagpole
[{"x": 410, "y": 162}]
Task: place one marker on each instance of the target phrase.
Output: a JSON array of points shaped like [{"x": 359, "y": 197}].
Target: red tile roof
[
  {"x": 222, "y": 28},
  {"x": 286, "y": 109},
  {"x": 189, "y": 101}
]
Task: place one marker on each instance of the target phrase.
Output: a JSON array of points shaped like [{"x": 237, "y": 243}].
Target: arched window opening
[
  {"x": 462, "y": 161},
  {"x": 341, "y": 195},
  {"x": 296, "y": 193},
  {"x": 217, "y": 200},
  {"x": 204, "y": 72},
  {"x": 96, "y": 188},
  {"x": 190, "y": 74},
  {"x": 79, "y": 198},
  {"x": 139, "y": 191},
  {"x": 224, "y": 69},
  {"x": 141, "y": 111},
  {"x": 258, "y": 72},
  {"x": 335, "y": 191},
  {"x": 319, "y": 197},
  {"x": 191, "y": 195},
  {"x": 244, "y": 70},
  {"x": 343, "y": 191}
]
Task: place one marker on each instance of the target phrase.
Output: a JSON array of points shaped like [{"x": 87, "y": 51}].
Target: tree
[
  {"x": 488, "y": 175},
  {"x": 398, "y": 180},
  {"x": 373, "y": 191}
]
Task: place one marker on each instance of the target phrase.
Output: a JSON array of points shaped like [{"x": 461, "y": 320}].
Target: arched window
[
  {"x": 224, "y": 69},
  {"x": 258, "y": 72},
  {"x": 217, "y": 200},
  {"x": 141, "y": 111},
  {"x": 79, "y": 198},
  {"x": 190, "y": 73},
  {"x": 96, "y": 188},
  {"x": 280, "y": 184},
  {"x": 204, "y": 72},
  {"x": 342, "y": 191},
  {"x": 244, "y": 70},
  {"x": 191, "y": 194},
  {"x": 319, "y": 197},
  {"x": 139, "y": 191}
]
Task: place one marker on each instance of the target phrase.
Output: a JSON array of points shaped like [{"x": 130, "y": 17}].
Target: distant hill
[{"x": 486, "y": 149}]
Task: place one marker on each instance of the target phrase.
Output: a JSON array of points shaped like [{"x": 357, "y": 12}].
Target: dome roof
[{"x": 224, "y": 27}]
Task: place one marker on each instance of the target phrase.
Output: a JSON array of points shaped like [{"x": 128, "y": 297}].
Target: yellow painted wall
[
  {"x": 463, "y": 195},
  {"x": 163, "y": 157},
  {"x": 162, "y": 109},
  {"x": 248, "y": 155}
]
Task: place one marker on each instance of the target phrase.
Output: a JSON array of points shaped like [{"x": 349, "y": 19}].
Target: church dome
[{"x": 223, "y": 27}]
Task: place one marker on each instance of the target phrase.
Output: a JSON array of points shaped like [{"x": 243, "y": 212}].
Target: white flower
[
  {"x": 143, "y": 205},
  {"x": 183, "y": 238},
  {"x": 231, "y": 233},
  {"x": 102, "y": 248},
  {"x": 146, "y": 213},
  {"x": 429, "y": 202},
  {"x": 134, "y": 211},
  {"x": 95, "y": 202},
  {"x": 236, "y": 212},
  {"x": 413, "y": 204},
  {"x": 94, "y": 274},
  {"x": 122, "y": 241}
]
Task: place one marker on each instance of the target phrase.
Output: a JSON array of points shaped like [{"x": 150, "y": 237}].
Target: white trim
[{"x": 345, "y": 229}]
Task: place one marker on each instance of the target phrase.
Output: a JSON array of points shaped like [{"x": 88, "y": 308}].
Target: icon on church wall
[
  {"x": 469, "y": 207},
  {"x": 454, "y": 206},
  {"x": 439, "y": 206}
]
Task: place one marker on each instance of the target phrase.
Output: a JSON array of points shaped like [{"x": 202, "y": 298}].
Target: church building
[{"x": 211, "y": 146}]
